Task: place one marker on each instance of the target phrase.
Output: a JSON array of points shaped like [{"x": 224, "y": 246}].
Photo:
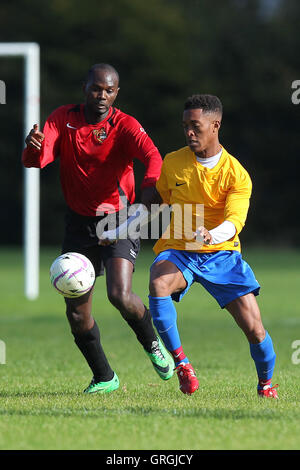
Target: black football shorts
[{"x": 81, "y": 237}]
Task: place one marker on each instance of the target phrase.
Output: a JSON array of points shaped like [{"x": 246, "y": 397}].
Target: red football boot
[
  {"x": 268, "y": 391},
  {"x": 188, "y": 382}
]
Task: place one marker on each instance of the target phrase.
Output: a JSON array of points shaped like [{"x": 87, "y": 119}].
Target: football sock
[
  {"x": 144, "y": 330},
  {"x": 264, "y": 357},
  {"x": 90, "y": 346},
  {"x": 263, "y": 383},
  {"x": 179, "y": 356},
  {"x": 165, "y": 320}
]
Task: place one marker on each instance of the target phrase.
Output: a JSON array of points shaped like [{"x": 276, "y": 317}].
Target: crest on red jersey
[{"x": 100, "y": 134}]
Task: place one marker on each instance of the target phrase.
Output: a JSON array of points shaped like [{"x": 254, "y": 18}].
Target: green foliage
[{"x": 165, "y": 51}]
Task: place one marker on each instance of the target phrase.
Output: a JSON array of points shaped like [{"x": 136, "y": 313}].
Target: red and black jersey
[{"x": 96, "y": 160}]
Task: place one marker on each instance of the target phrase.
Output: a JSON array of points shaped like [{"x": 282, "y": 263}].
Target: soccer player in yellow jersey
[{"x": 209, "y": 192}]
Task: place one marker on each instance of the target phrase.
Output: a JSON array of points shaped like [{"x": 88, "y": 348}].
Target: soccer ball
[{"x": 72, "y": 275}]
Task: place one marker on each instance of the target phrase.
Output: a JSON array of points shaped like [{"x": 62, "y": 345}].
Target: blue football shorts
[{"x": 224, "y": 274}]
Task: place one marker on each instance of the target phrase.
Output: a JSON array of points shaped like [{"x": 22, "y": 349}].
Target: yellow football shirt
[{"x": 200, "y": 196}]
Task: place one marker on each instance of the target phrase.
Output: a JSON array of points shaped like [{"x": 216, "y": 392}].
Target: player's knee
[
  {"x": 158, "y": 287},
  {"x": 119, "y": 298}
]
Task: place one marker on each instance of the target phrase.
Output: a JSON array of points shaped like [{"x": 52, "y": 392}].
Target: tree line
[{"x": 243, "y": 51}]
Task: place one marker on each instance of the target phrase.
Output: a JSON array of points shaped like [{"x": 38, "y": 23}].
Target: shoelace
[
  {"x": 185, "y": 370},
  {"x": 269, "y": 389},
  {"x": 155, "y": 350}
]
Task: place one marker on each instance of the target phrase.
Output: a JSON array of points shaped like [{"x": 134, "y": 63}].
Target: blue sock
[
  {"x": 264, "y": 357},
  {"x": 165, "y": 320}
]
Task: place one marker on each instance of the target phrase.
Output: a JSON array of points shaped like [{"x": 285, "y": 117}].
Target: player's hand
[
  {"x": 35, "y": 138},
  {"x": 203, "y": 232},
  {"x": 106, "y": 242}
]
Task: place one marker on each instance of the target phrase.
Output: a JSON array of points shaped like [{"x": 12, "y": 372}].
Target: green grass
[{"x": 41, "y": 401}]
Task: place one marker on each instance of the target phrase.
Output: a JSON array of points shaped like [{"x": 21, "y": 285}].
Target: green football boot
[
  {"x": 103, "y": 387},
  {"x": 161, "y": 360}
]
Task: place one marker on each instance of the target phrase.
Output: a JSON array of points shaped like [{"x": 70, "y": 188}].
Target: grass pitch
[{"x": 41, "y": 401}]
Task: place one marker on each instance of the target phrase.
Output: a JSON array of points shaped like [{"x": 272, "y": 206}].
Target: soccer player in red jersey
[{"x": 96, "y": 144}]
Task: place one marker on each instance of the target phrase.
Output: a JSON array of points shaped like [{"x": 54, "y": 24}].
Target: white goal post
[{"x": 30, "y": 51}]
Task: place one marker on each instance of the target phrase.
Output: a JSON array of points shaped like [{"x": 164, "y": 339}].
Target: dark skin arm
[{"x": 149, "y": 196}]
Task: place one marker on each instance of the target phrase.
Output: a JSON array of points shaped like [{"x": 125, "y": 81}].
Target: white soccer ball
[{"x": 72, "y": 275}]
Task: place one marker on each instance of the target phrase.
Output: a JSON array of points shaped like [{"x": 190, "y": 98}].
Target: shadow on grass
[
  {"x": 38, "y": 394},
  {"x": 88, "y": 410}
]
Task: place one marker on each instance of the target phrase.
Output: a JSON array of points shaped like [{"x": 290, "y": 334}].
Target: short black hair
[
  {"x": 102, "y": 66},
  {"x": 209, "y": 103}
]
